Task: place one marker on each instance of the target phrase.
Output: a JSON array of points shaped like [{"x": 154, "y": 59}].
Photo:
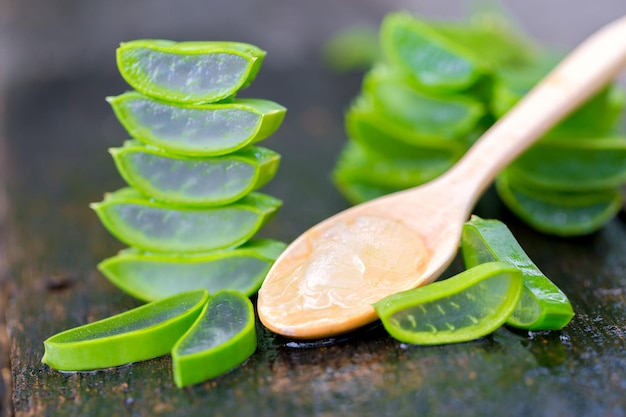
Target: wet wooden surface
[{"x": 54, "y": 162}]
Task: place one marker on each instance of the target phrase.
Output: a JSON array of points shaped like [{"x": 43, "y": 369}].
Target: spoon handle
[{"x": 582, "y": 73}]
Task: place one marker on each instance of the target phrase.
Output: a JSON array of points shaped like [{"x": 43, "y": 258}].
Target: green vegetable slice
[
  {"x": 426, "y": 114},
  {"x": 492, "y": 39},
  {"x": 542, "y": 306},
  {"x": 367, "y": 125},
  {"x": 153, "y": 276},
  {"x": 188, "y": 72},
  {"x": 199, "y": 130},
  {"x": 153, "y": 226},
  {"x": 135, "y": 335},
  {"x": 595, "y": 117},
  {"x": 556, "y": 212},
  {"x": 357, "y": 164},
  {"x": 195, "y": 181},
  {"x": 467, "y": 306},
  {"x": 222, "y": 337},
  {"x": 434, "y": 61},
  {"x": 567, "y": 165}
]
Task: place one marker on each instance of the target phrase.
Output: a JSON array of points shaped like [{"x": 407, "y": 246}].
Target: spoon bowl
[{"x": 326, "y": 281}]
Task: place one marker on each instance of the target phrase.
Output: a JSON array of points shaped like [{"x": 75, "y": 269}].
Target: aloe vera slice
[
  {"x": 153, "y": 226},
  {"x": 200, "y": 130},
  {"x": 357, "y": 164},
  {"x": 542, "y": 306},
  {"x": 135, "y": 335},
  {"x": 153, "y": 276},
  {"x": 188, "y": 72},
  {"x": 434, "y": 61},
  {"x": 184, "y": 180},
  {"x": 580, "y": 165},
  {"x": 492, "y": 38},
  {"x": 596, "y": 116},
  {"x": 222, "y": 337},
  {"x": 464, "y": 307},
  {"x": 450, "y": 116},
  {"x": 371, "y": 129},
  {"x": 559, "y": 213}
]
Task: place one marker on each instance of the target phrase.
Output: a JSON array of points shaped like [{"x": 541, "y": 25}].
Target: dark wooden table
[{"x": 54, "y": 162}]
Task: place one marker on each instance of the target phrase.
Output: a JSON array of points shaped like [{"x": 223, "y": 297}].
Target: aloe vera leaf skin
[
  {"x": 222, "y": 338},
  {"x": 573, "y": 165},
  {"x": 153, "y": 276},
  {"x": 436, "y": 62},
  {"x": 197, "y": 130},
  {"x": 382, "y": 136},
  {"x": 559, "y": 213},
  {"x": 188, "y": 72},
  {"x": 465, "y": 307},
  {"x": 143, "y": 333},
  {"x": 442, "y": 116},
  {"x": 188, "y": 181},
  {"x": 542, "y": 306},
  {"x": 358, "y": 164},
  {"x": 152, "y": 226}
]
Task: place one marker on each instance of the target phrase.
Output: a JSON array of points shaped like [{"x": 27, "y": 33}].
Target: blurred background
[{"x": 57, "y": 64}]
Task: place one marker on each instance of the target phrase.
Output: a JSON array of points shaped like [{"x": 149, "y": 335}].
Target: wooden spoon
[{"x": 326, "y": 280}]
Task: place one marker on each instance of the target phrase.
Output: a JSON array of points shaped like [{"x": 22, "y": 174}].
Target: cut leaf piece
[
  {"x": 188, "y": 72},
  {"x": 493, "y": 39},
  {"x": 426, "y": 114},
  {"x": 357, "y": 164},
  {"x": 153, "y": 276},
  {"x": 559, "y": 213},
  {"x": 135, "y": 335},
  {"x": 200, "y": 130},
  {"x": 365, "y": 124},
  {"x": 464, "y": 307},
  {"x": 573, "y": 165},
  {"x": 542, "y": 306},
  {"x": 153, "y": 226},
  {"x": 597, "y": 116},
  {"x": 195, "y": 181},
  {"x": 434, "y": 61},
  {"x": 222, "y": 337}
]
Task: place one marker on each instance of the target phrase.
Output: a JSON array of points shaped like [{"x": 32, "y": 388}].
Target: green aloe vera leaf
[
  {"x": 542, "y": 306},
  {"x": 199, "y": 130},
  {"x": 379, "y": 135},
  {"x": 222, "y": 338},
  {"x": 154, "y": 226},
  {"x": 434, "y": 61},
  {"x": 464, "y": 307},
  {"x": 511, "y": 83},
  {"x": 153, "y": 276},
  {"x": 597, "y": 116},
  {"x": 188, "y": 72},
  {"x": 427, "y": 114},
  {"x": 208, "y": 181},
  {"x": 556, "y": 212},
  {"x": 139, "y": 334},
  {"x": 492, "y": 39},
  {"x": 580, "y": 165},
  {"x": 357, "y": 164}
]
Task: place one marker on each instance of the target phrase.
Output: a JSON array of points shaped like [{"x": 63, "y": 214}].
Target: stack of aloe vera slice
[
  {"x": 188, "y": 214},
  {"x": 441, "y": 85},
  {"x": 193, "y": 167}
]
